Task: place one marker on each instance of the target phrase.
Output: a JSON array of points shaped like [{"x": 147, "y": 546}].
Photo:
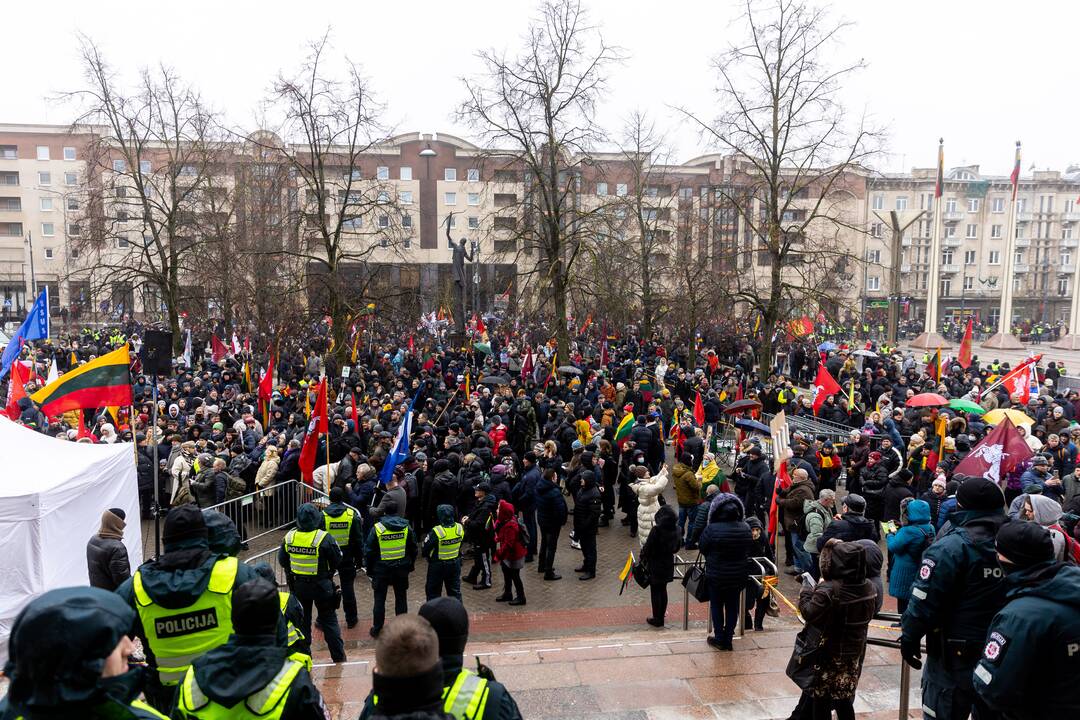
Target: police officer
[
  {"x": 442, "y": 548},
  {"x": 252, "y": 675},
  {"x": 68, "y": 657},
  {"x": 958, "y": 589},
  {"x": 390, "y": 551},
  {"x": 310, "y": 556},
  {"x": 182, "y": 602},
  {"x": 343, "y": 524},
  {"x": 467, "y": 695},
  {"x": 1031, "y": 660}
]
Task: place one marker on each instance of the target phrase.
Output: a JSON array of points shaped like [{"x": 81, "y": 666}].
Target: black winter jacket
[
  {"x": 107, "y": 562},
  {"x": 725, "y": 543}
]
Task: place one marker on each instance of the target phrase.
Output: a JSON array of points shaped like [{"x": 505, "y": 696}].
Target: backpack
[
  {"x": 523, "y": 534},
  {"x": 235, "y": 488},
  {"x": 1072, "y": 547}
]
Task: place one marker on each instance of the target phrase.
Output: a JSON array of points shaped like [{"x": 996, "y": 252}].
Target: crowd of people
[{"x": 508, "y": 444}]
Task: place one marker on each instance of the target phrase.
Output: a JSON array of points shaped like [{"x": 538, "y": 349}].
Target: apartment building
[{"x": 975, "y": 214}]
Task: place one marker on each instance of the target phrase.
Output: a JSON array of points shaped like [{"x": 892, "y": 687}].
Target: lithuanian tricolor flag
[
  {"x": 622, "y": 433},
  {"x": 103, "y": 382}
]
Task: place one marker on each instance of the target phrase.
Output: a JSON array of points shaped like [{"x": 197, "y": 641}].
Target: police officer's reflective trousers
[{"x": 320, "y": 593}]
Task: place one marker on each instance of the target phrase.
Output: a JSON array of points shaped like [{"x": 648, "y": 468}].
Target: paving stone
[{"x": 644, "y": 694}]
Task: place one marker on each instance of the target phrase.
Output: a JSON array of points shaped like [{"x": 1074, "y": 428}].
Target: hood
[
  {"x": 815, "y": 505},
  {"x": 1047, "y": 510},
  {"x": 847, "y": 562},
  {"x": 918, "y": 512},
  {"x": 753, "y": 522},
  {"x": 309, "y": 518},
  {"x": 725, "y": 506},
  {"x": 221, "y": 533},
  {"x": 445, "y": 514},
  {"x": 665, "y": 518},
  {"x": 335, "y": 509},
  {"x": 506, "y": 511},
  {"x": 394, "y": 522},
  {"x": 177, "y": 587},
  {"x": 1054, "y": 581},
  {"x": 874, "y": 557},
  {"x": 247, "y": 663}
]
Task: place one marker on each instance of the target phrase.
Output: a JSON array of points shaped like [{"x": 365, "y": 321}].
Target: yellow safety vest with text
[
  {"x": 391, "y": 542},
  {"x": 294, "y": 632},
  {"x": 449, "y": 541},
  {"x": 179, "y": 635},
  {"x": 466, "y": 699},
  {"x": 340, "y": 527},
  {"x": 303, "y": 550},
  {"x": 265, "y": 704}
]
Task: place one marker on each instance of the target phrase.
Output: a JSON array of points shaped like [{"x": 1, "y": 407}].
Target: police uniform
[
  {"x": 390, "y": 551},
  {"x": 442, "y": 547},
  {"x": 343, "y": 524},
  {"x": 182, "y": 602},
  {"x": 1031, "y": 660},
  {"x": 958, "y": 589},
  {"x": 252, "y": 676},
  {"x": 310, "y": 556}
]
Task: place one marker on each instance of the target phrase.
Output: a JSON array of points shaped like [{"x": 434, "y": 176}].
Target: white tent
[{"x": 52, "y": 494}]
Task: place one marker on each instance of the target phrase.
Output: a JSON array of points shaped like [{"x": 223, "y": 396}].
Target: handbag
[
  {"x": 641, "y": 574},
  {"x": 694, "y": 580},
  {"x": 805, "y": 656}
]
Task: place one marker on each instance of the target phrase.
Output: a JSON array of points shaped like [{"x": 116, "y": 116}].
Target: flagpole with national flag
[
  {"x": 1003, "y": 338},
  {"x": 930, "y": 337}
]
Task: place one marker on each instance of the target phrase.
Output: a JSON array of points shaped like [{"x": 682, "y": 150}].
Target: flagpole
[
  {"x": 1003, "y": 339},
  {"x": 930, "y": 337}
]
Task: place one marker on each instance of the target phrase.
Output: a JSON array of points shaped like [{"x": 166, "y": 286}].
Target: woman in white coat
[{"x": 648, "y": 490}]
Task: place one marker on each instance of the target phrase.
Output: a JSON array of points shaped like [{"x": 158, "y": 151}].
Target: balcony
[
  {"x": 905, "y": 269},
  {"x": 951, "y": 242},
  {"x": 1067, "y": 269},
  {"x": 905, "y": 242},
  {"x": 1023, "y": 242},
  {"x": 1070, "y": 217},
  {"x": 952, "y": 216},
  {"x": 1024, "y": 216},
  {"x": 950, "y": 269},
  {"x": 1021, "y": 268},
  {"x": 1070, "y": 242}
]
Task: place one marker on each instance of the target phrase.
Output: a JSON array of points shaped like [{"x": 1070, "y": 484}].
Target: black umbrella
[
  {"x": 752, "y": 425},
  {"x": 740, "y": 405},
  {"x": 495, "y": 380},
  {"x": 569, "y": 370}
]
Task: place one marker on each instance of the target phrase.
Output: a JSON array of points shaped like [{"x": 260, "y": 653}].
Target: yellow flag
[
  {"x": 307, "y": 404},
  {"x": 626, "y": 568},
  {"x": 114, "y": 412}
]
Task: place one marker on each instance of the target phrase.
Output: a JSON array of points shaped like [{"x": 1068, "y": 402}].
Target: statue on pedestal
[{"x": 461, "y": 255}]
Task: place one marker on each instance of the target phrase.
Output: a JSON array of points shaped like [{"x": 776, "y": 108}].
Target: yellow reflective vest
[{"x": 265, "y": 704}]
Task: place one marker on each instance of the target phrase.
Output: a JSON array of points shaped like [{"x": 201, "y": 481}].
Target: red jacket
[
  {"x": 498, "y": 437},
  {"x": 508, "y": 544}
]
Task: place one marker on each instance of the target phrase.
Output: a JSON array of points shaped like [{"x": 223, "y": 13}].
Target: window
[
  {"x": 901, "y": 202},
  {"x": 1018, "y": 257},
  {"x": 1066, "y": 232},
  {"x": 950, "y": 205},
  {"x": 73, "y": 253},
  {"x": 873, "y": 283},
  {"x": 1016, "y": 284},
  {"x": 405, "y": 197},
  {"x": 973, "y": 205},
  {"x": 1063, "y": 286},
  {"x": 188, "y": 170},
  {"x": 382, "y": 173},
  {"x": 474, "y": 198},
  {"x": 994, "y": 258},
  {"x": 382, "y": 198},
  {"x": 72, "y": 203},
  {"x": 972, "y": 230},
  {"x": 11, "y": 204},
  {"x": 969, "y": 282},
  {"x": 48, "y": 253},
  {"x": 144, "y": 167},
  {"x": 405, "y": 173},
  {"x": 406, "y": 221},
  {"x": 122, "y": 241},
  {"x": 474, "y": 223},
  {"x": 472, "y": 175},
  {"x": 946, "y": 257},
  {"x": 71, "y": 179},
  {"x": 946, "y": 287},
  {"x": 876, "y": 229},
  {"x": 44, "y": 178},
  {"x": 879, "y": 202},
  {"x": 42, "y": 152},
  {"x": 48, "y": 229},
  {"x": 950, "y": 231},
  {"x": 686, "y": 193},
  {"x": 453, "y": 221},
  {"x": 969, "y": 257},
  {"x": 1021, "y": 205},
  {"x": 873, "y": 256},
  {"x": 1066, "y": 258},
  {"x": 119, "y": 166},
  {"x": 9, "y": 152},
  {"x": 46, "y": 204},
  {"x": 601, "y": 189},
  {"x": 997, "y": 205},
  {"x": 69, "y": 153},
  {"x": 450, "y": 174},
  {"x": 120, "y": 191},
  {"x": 620, "y": 189},
  {"x": 121, "y": 216},
  {"x": 73, "y": 229},
  {"x": 352, "y": 223},
  {"x": 384, "y": 221},
  {"x": 926, "y": 201},
  {"x": 995, "y": 232},
  {"x": 353, "y": 175},
  {"x": 450, "y": 198}
]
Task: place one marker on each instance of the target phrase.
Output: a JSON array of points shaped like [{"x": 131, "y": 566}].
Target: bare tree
[
  {"x": 154, "y": 149},
  {"x": 348, "y": 222},
  {"x": 795, "y": 153},
  {"x": 538, "y": 107}
]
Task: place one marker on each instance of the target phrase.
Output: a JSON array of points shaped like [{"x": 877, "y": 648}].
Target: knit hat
[
  {"x": 979, "y": 494},
  {"x": 184, "y": 523},
  {"x": 855, "y": 503},
  {"x": 256, "y": 608},
  {"x": 1025, "y": 543},
  {"x": 939, "y": 481},
  {"x": 118, "y": 512},
  {"x": 451, "y": 622}
]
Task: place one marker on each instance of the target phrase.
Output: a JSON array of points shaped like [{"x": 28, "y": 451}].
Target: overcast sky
[{"x": 981, "y": 74}]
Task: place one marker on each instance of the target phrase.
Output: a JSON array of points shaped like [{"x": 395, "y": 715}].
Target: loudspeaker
[{"x": 156, "y": 353}]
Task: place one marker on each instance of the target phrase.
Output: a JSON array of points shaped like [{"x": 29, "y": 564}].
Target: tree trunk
[
  {"x": 769, "y": 317},
  {"x": 562, "y": 336}
]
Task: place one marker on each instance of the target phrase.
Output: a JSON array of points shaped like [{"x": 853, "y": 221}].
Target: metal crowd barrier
[{"x": 268, "y": 510}]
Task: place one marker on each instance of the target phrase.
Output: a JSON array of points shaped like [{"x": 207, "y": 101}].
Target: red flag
[
  {"x": 1014, "y": 177},
  {"x": 480, "y": 327},
  {"x": 996, "y": 455},
  {"x": 699, "y": 410},
  {"x": 429, "y": 362},
  {"x": 965, "y": 348},
  {"x": 603, "y": 352},
  {"x": 217, "y": 349},
  {"x": 783, "y": 482},
  {"x": 412, "y": 346},
  {"x": 266, "y": 390},
  {"x": 1018, "y": 382},
  {"x": 318, "y": 424},
  {"x": 81, "y": 431},
  {"x": 824, "y": 385},
  {"x": 20, "y": 375},
  {"x": 807, "y": 326},
  {"x": 355, "y": 414},
  {"x": 527, "y": 364}
]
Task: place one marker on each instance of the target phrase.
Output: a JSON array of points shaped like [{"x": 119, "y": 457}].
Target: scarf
[{"x": 112, "y": 526}]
